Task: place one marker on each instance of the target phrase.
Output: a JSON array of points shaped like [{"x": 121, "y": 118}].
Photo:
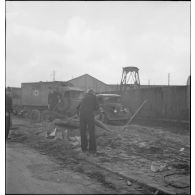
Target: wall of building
[
  {"x": 36, "y": 94},
  {"x": 86, "y": 82},
  {"x": 163, "y": 102},
  {"x": 113, "y": 88}
]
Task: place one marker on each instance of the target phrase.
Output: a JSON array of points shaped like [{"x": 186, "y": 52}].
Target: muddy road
[
  {"x": 28, "y": 172},
  {"x": 36, "y": 164}
]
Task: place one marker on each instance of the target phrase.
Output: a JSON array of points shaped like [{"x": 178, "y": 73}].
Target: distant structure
[
  {"x": 130, "y": 78},
  {"x": 86, "y": 82},
  {"x": 168, "y": 79},
  {"x": 54, "y": 75}
]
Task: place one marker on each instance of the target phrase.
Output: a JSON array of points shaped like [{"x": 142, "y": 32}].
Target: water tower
[{"x": 130, "y": 78}]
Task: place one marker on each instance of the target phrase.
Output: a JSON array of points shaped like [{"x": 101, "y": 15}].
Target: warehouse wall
[
  {"x": 86, "y": 82},
  {"x": 163, "y": 102}
]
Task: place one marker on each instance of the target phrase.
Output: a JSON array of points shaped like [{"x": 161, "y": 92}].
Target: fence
[{"x": 168, "y": 102}]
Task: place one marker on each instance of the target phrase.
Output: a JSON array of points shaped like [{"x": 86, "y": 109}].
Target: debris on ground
[
  {"x": 143, "y": 153},
  {"x": 177, "y": 180},
  {"x": 157, "y": 166},
  {"x": 129, "y": 183}
]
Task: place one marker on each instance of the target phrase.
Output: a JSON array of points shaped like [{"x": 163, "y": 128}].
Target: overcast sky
[{"x": 98, "y": 38}]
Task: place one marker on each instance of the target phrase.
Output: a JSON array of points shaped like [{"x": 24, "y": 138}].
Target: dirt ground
[
  {"x": 138, "y": 160},
  {"x": 28, "y": 172}
]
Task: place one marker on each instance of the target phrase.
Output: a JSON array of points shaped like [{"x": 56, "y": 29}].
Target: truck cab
[{"x": 112, "y": 109}]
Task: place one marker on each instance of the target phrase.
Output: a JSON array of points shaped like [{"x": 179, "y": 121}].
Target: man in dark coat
[
  {"x": 8, "y": 110},
  {"x": 53, "y": 98},
  {"x": 87, "y": 110}
]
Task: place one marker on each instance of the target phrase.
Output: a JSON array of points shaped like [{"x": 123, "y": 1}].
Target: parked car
[{"x": 112, "y": 109}]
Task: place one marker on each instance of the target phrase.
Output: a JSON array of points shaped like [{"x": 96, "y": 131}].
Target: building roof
[
  {"x": 68, "y": 88},
  {"x": 108, "y": 95},
  {"x": 65, "y": 83},
  {"x": 86, "y": 75},
  {"x": 48, "y": 82},
  {"x": 130, "y": 69}
]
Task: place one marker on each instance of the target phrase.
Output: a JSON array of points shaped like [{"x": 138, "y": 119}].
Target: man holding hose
[{"x": 87, "y": 109}]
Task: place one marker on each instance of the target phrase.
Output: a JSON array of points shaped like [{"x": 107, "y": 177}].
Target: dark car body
[{"x": 111, "y": 108}]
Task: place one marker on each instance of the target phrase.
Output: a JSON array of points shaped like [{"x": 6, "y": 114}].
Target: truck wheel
[
  {"x": 35, "y": 116},
  {"x": 27, "y": 114},
  {"x": 45, "y": 115}
]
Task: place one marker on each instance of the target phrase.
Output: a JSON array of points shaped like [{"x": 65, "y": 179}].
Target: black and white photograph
[{"x": 97, "y": 97}]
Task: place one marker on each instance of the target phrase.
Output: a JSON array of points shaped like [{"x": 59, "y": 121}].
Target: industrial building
[
  {"x": 86, "y": 82},
  {"x": 161, "y": 98}
]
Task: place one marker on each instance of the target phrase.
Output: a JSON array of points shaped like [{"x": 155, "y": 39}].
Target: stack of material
[{"x": 69, "y": 124}]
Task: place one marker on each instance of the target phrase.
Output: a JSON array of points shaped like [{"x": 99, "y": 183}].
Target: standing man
[
  {"x": 8, "y": 110},
  {"x": 53, "y": 98},
  {"x": 87, "y": 110}
]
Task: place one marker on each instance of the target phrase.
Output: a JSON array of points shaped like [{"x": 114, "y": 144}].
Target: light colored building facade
[{"x": 86, "y": 82}]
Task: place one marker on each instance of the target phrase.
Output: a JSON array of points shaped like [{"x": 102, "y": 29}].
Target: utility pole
[
  {"x": 54, "y": 74},
  {"x": 168, "y": 79},
  {"x": 148, "y": 82}
]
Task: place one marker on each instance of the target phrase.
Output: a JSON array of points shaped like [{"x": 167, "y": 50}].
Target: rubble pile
[{"x": 144, "y": 143}]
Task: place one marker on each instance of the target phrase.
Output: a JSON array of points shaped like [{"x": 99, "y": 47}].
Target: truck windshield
[
  {"x": 74, "y": 94},
  {"x": 112, "y": 99}
]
